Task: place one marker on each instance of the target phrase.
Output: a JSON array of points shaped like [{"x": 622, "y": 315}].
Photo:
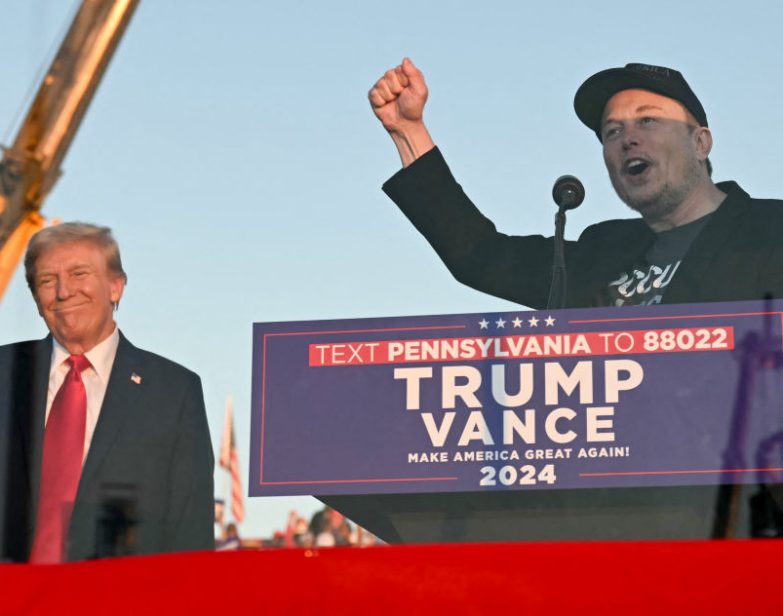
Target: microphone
[{"x": 568, "y": 192}]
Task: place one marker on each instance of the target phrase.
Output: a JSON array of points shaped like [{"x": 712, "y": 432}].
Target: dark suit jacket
[
  {"x": 737, "y": 256},
  {"x": 151, "y": 446}
]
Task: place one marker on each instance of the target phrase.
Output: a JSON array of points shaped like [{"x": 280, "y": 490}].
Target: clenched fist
[
  {"x": 399, "y": 96},
  {"x": 398, "y": 100}
]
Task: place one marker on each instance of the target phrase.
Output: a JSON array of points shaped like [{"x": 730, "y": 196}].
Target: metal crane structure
[{"x": 31, "y": 166}]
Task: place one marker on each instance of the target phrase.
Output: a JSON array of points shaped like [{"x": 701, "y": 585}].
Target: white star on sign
[
  {"x": 533, "y": 321},
  {"x": 550, "y": 321},
  {"x": 517, "y": 322},
  {"x": 483, "y": 324},
  {"x": 500, "y": 323}
]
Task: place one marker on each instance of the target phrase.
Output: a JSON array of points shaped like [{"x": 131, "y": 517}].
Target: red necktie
[{"x": 61, "y": 468}]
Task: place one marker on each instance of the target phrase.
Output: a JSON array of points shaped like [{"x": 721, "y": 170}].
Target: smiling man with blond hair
[{"x": 91, "y": 426}]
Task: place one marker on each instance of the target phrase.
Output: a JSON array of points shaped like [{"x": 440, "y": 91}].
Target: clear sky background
[{"x": 232, "y": 150}]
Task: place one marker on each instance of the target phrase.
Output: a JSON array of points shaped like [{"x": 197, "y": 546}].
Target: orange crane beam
[{"x": 32, "y": 164}]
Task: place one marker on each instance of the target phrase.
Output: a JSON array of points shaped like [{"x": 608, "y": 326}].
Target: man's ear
[
  {"x": 703, "y": 139},
  {"x": 116, "y": 288}
]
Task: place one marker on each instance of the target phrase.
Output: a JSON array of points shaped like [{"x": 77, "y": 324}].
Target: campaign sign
[{"x": 645, "y": 396}]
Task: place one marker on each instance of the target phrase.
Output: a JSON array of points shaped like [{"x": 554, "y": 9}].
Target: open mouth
[{"x": 636, "y": 166}]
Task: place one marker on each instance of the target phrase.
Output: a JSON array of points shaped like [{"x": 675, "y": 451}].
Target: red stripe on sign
[{"x": 588, "y": 344}]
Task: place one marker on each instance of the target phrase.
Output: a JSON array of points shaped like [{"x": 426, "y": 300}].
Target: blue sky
[{"x": 232, "y": 149}]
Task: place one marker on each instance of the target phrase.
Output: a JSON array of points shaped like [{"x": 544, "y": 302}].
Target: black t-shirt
[{"x": 647, "y": 280}]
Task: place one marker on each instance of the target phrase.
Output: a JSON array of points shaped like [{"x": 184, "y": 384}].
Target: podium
[
  {"x": 623, "y": 514},
  {"x": 602, "y": 424}
]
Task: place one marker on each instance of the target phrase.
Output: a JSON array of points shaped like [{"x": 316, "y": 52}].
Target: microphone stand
[
  {"x": 559, "y": 287},
  {"x": 568, "y": 193}
]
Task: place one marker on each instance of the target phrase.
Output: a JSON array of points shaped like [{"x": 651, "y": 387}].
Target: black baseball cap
[{"x": 593, "y": 94}]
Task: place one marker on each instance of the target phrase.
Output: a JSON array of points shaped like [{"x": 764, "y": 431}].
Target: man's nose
[
  {"x": 630, "y": 138},
  {"x": 64, "y": 287}
]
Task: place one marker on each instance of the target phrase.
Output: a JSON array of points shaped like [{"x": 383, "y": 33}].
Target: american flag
[{"x": 229, "y": 459}]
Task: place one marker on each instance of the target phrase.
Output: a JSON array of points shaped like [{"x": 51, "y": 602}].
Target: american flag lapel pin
[{"x": 135, "y": 378}]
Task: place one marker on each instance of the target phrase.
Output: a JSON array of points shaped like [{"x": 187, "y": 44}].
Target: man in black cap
[{"x": 696, "y": 241}]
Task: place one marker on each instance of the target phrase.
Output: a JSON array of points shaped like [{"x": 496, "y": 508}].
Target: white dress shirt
[{"x": 95, "y": 379}]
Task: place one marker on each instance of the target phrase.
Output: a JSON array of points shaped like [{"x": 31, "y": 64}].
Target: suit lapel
[
  {"x": 690, "y": 283},
  {"x": 33, "y": 387},
  {"x": 122, "y": 393}
]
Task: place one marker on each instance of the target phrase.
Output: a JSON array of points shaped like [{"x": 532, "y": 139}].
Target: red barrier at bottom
[{"x": 631, "y": 578}]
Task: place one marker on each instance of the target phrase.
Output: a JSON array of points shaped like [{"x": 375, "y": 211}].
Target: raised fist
[{"x": 399, "y": 96}]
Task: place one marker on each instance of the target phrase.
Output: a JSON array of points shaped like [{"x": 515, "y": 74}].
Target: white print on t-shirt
[{"x": 639, "y": 287}]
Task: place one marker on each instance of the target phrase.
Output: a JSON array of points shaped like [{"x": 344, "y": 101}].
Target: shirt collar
[{"x": 101, "y": 356}]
